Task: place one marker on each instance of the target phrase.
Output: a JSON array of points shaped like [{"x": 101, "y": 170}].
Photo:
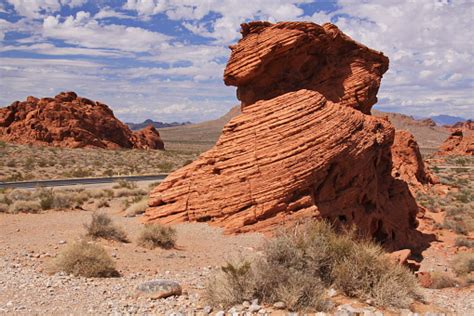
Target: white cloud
[
  {"x": 108, "y": 12},
  {"x": 225, "y": 28},
  {"x": 84, "y": 31},
  {"x": 429, "y": 54},
  {"x": 38, "y": 8}
]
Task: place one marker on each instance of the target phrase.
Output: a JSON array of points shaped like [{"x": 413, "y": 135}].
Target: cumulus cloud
[
  {"x": 431, "y": 61},
  {"x": 84, "y": 31},
  {"x": 37, "y": 8},
  {"x": 225, "y": 28},
  {"x": 118, "y": 55}
]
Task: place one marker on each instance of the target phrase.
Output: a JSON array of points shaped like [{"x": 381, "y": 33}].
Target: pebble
[{"x": 279, "y": 305}]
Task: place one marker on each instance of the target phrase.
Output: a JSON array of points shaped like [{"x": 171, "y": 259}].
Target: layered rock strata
[
  {"x": 68, "y": 120},
  {"x": 302, "y": 148}
]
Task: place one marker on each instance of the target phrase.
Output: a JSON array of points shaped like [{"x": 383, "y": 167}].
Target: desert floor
[{"x": 29, "y": 244}]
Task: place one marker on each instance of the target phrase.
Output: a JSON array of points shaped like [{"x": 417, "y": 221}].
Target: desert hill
[
  {"x": 155, "y": 124},
  {"x": 203, "y": 135},
  {"x": 197, "y": 137},
  {"x": 428, "y": 135},
  {"x": 68, "y": 120}
]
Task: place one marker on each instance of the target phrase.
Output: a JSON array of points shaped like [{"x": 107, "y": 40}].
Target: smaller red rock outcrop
[
  {"x": 407, "y": 162},
  {"x": 68, "y": 120},
  {"x": 460, "y": 142}
]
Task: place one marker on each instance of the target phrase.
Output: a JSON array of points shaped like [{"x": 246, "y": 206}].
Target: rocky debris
[
  {"x": 273, "y": 59},
  {"x": 408, "y": 164},
  {"x": 460, "y": 142},
  {"x": 159, "y": 288},
  {"x": 297, "y": 155},
  {"x": 68, "y": 120}
]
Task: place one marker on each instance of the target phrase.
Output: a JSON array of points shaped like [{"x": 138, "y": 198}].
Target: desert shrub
[
  {"x": 25, "y": 206},
  {"x": 125, "y": 184},
  {"x": 101, "y": 226},
  {"x": 137, "y": 208},
  {"x": 46, "y": 197},
  {"x": 156, "y": 235},
  {"x": 77, "y": 197},
  {"x": 96, "y": 193},
  {"x": 20, "y": 195},
  {"x": 5, "y": 199},
  {"x": 165, "y": 166},
  {"x": 4, "y": 207},
  {"x": 103, "y": 203},
  {"x": 87, "y": 260},
  {"x": 122, "y": 192},
  {"x": 441, "y": 280},
  {"x": 11, "y": 163},
  {"x": 233, "y": 285},
  {"x": 463, "y": 263},
  {"x": 300, "y": 262},
  {"x": 464, "y": 242}
]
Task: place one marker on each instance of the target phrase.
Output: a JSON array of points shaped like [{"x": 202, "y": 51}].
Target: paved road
[{"x": 79, "y": 181}]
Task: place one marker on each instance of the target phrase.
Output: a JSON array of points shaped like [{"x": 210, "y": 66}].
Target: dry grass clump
[
  {"x": 156, "y": 235},
  {"x": 4, "y": 208},
  {"x": 123, "y": 192},
  {"x": 125, "y": 184},
  {"x": 463, "y": 264},
  {"x": 101, "y": 226},
  {"x": 25, "y": 207},
  {"x": 298, "y": 264},
  {"x": 87, "y": 260},
  {"x": 441, "y": 280},
  {"x": 464, "y": 242},
  {"x": 136, "y": 208}
]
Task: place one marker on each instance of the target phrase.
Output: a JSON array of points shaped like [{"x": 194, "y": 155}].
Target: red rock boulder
[
  {"x": 302, "y": 148},
  {"x": 70, "y": 121},
  {"x": 460, "y": 142}
]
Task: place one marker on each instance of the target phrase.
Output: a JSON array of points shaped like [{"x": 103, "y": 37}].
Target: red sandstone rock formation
[
  {"x": 272, "y": 59},
  {"x": 408, "y": 164},
  {"x": 460, "y": 142},
  {"x": 71, "y": 121},
  {"x": 305, "y": 150}
]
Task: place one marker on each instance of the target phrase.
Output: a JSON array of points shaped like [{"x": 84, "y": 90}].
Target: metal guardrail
[{"x": 78, "y": 181}]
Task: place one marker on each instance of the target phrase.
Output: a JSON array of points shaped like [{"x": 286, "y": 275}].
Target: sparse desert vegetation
[
  {"x": 102, "y": 226},
  {"x": 23, "y": 162},
  {"x": 85, "y": 259},
  {"x": 298, "y": 264},
  {"x": 156, "y": 235}
]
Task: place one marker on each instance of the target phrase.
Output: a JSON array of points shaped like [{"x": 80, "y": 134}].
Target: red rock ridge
[
  {"x": 272, "y": 59},
  {"x": 68, "y": 120}
]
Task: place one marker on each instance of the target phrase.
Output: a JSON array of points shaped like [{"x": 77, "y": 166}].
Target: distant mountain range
[
  {"x": 447, "y": 119},
  {"x": 137, "y": 126}
]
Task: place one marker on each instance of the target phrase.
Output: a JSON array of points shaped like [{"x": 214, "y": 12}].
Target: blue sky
[{"x": 164, "y": 59}]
